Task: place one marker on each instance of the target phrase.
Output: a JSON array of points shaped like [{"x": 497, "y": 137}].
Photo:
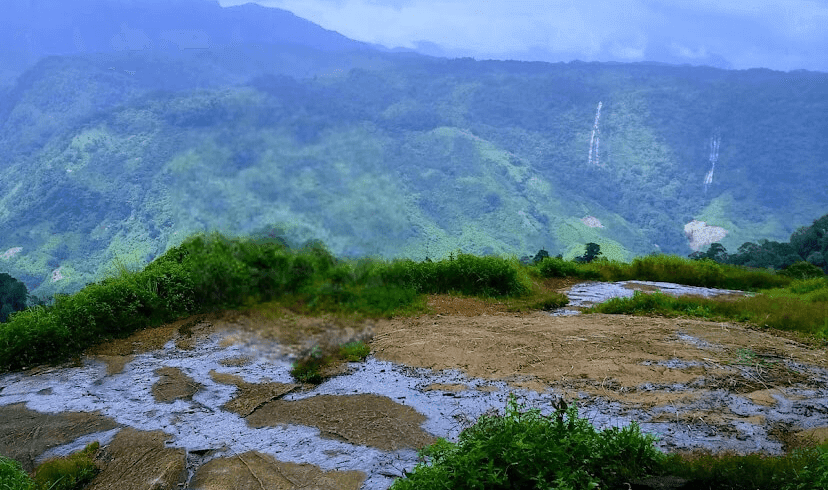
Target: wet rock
[
  {"x": 255, "y": 471},
  {"x": 137, "y": 460},
  {"x": 26, "y": 434},
  {"x": 250, "y": 395},
  {"x": 174, "y": 385},
  {"x": 366, "y": 419}
]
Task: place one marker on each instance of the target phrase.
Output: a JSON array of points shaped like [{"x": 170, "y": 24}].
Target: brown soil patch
[
  {"x": 26, "y": 434},
  {"x": 369, "y": 420},
  {"x": 255, "y": 471},
  {"x": 604, "y": 355},
  {"x": 137, "y": 460},
  {"x": 250, "y": 395},
  {"x": 186, "y": 332},
  {"x": 173, "y": 385},
  {"x": 236, "y": 361}
]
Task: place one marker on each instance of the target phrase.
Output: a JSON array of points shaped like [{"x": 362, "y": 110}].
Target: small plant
[
  {"x": 12, "y": 476},
  {"x": 72, "y": 472},
  {"x": 747, "y": 357},
  {"x": 308, "y": 369},
  {"x": 354, "y": 351}
]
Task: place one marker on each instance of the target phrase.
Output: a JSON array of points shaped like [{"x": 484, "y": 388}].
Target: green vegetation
[
  {"x": 12, "y": 476},
  {"x": 72, "y": 472},
  {"x": 427, "y": 155},
  {"x": 804, "y": 468},
  {"x": 13, "y": 294},
  {"x": 530, "y": 450},
  {"x": 211, "y": 272},
  {"x": 563, "y": 451}
]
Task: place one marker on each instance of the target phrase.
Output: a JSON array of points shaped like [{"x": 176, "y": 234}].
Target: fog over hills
[{"x": 140, "y": 128}]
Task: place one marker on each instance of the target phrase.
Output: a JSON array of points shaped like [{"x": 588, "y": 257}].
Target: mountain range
[{"x": 125, "y": 129}]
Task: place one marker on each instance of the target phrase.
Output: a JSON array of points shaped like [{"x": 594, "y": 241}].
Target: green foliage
[
  {"x": 555, "y": 267},
  {"x": 783, "y": 312},
  {"x": 802, "y": 469},
  {"x": 354, "y": 351},
  {"x": 308, "y": 369},
  {"x": 810, "y": 470},
  {"x": 802, "y": 270},
  {"x": 12, "y": 476},
  {"x": 530, "y": 450},
  {"x": 466, "y": 274},
  {"x": 13, "y": 295},
  {"x": 550, "y": 301},
  {"x": 703, "y": 273},
  {"x": 72, "y": 472}
]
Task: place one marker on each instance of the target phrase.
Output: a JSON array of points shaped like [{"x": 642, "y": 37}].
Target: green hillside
[{"x": 121, "y": 157}]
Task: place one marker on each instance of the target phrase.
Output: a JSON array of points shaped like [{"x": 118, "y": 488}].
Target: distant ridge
[{"x": 42, "y": 28}]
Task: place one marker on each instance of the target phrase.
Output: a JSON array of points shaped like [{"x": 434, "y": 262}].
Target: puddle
[
  {"x": 591, "y": 293},
  {"x": 225, "y": 396}
]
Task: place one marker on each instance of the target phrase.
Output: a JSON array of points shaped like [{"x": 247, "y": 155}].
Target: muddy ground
[{"x": 207, "y": 402}]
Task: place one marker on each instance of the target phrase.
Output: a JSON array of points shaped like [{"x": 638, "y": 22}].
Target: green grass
[
  {"x": 212, "y": 272},
  {"x": 804, "y": 468},
  {"x": 72, "y": 472}
]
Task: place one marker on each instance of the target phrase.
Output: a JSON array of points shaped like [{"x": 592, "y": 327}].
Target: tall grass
[
  {"x": 781, "y": 308},
  {"x": 666, "y": 268},
  {"x": 212, "y": 272}
]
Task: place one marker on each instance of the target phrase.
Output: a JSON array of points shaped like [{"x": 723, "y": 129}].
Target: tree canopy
[{"x": 13, "y": 294}]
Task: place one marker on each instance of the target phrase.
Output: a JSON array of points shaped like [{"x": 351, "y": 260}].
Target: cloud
[{"x": 781, "y": 34}]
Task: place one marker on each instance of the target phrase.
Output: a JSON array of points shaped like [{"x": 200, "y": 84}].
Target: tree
[
  {"x": 592, "y": 251},
  {"x": 13, "y": 294},
  {"x": 717, "y": 253},
  {"x": 542, "y": 254}
]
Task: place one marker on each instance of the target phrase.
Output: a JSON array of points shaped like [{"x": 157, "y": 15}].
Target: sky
[{"x": 777, "y": 34}]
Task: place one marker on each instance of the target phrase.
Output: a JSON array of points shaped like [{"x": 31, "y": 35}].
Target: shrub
[
  {"x": 803, "y": 270},
  {"x": 529, "y": 450},
  {"x": 555, "y": 267}
]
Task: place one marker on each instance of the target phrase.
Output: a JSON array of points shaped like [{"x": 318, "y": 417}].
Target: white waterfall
[
  {"x": 714, "y": 157},
  {"x": 593, "y": 142}
]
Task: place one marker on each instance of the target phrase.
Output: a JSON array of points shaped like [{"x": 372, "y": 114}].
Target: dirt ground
[{"x": 633, "y": 360}]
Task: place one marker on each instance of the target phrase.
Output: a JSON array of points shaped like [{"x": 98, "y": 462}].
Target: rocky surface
[{"x": 208, "y": 402}]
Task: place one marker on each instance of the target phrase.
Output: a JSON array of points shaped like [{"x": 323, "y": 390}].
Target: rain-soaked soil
[{"x": 208, "y": 402}]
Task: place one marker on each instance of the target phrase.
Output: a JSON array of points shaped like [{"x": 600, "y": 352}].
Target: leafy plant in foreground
[
  {"x": 530, "y": 450},
  {"x": 12, "y": 476}
]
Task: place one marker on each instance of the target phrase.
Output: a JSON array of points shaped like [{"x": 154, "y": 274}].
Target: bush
[
  {"x": 555, "y": 267},
  {"x": 466, "y": 274},
  {"x": 529, "y": 450},
  {"x": 803, "y": 270}
]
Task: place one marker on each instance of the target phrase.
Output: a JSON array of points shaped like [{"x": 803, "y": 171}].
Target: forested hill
[{"x": 398, "y": 155}]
